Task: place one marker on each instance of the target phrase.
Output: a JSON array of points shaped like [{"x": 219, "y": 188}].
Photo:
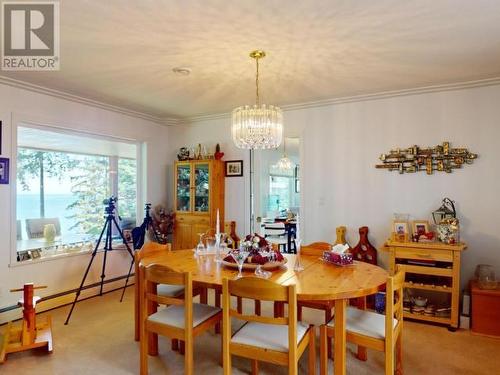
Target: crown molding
[
  {"x": 365, "y": 97},
  {"x": 82, "y": 100},
  {"x": 179, "y": 121}
]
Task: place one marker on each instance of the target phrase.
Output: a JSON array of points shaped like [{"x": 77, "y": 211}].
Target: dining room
[{"x": 265, "y": 187}]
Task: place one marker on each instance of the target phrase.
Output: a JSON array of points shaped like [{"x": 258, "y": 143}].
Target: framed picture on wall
[
  {"x": 234, "y": 168},
  {"x": 4, "y": 171}
]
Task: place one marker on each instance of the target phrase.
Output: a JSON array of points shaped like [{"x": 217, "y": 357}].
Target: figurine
[
  {"x": 218, "y": 154},
  {"x": 183, "y": 154}
]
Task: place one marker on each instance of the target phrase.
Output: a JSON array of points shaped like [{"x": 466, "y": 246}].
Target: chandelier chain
[{"x": 257, "y": 99}]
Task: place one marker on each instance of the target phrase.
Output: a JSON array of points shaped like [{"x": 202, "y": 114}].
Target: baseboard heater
[{"x": 71, "y": 291}]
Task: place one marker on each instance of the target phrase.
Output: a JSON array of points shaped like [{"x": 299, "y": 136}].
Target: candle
[{"x": 217, "y": 227}]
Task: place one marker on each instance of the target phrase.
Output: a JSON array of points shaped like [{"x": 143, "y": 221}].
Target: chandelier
[
  {"x": 285, "y": 163},
  {"x": 257, "y": 126}
]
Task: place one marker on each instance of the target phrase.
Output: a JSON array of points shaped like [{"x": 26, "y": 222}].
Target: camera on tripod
[
  {"x": 147, "y": 208},
  {"x": 110, "y": 204}
]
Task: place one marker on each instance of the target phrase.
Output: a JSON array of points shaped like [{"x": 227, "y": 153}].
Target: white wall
[
  {"x": 340, "y": 145},
  {"x": 66, "y": 273}
]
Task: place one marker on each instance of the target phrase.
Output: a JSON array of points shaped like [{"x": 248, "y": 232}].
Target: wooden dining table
[{"x": 319, "y": 281}]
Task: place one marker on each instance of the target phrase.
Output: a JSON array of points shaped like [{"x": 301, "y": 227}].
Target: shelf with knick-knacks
[{"x": 198, "y": 193}]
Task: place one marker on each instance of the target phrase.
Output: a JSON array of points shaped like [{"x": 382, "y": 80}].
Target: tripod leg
[
  {"x": 106, "y": 248},
  {"x": 85, "y": 275},
  {"x": 126, "y": 280}
]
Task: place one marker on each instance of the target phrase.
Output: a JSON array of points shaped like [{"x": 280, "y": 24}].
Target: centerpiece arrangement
[{"x": 255, "y": 253}]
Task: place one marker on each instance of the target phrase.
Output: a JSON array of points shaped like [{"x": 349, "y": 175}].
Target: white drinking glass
[
  {"x": 200, "y": 248},
  {"x": 298, "y": 264},
  {"x": 259, "y": 271},
  {"x": 240, "y": 256}
]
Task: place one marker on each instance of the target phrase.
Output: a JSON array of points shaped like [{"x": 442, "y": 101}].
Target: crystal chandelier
[
  {"x": 257, "y": 126},
  {"x": 285, "y": 163}
]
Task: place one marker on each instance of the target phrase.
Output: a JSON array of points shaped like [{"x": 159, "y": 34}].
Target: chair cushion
[
  {"x": 267, "y": 336},
  {"x": 363, "y": 322},
  {"x": 168, "y": 290},
  {"x": 174, "y": 315}
]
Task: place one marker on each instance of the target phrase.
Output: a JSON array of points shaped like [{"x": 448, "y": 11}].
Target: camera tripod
[
  {"x": 108, "y": 246},
  {"x": 138, "y": 236}
]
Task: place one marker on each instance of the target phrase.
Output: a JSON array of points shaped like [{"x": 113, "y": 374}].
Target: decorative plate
[{"x": 253, "y": 266}]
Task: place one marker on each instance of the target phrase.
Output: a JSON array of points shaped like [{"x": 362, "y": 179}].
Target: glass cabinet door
[
  {"x": 201, "y": 187},
  {"x": 183, "y": 187}
]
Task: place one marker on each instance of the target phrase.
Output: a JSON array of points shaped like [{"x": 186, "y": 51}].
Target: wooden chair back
[
  {"x": 394, "y": 305},
  {"x": 264, "y": 290},
  {"x": 230, "y": 230},
  {"x": 315, "y": 248},
  {"x": 148, "y": 249},
  {"x": 158, "y": 274},
  {"x": 152, "y": 248}
]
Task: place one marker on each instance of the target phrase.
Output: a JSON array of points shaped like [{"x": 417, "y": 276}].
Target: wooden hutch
[
  {"x": 430, "y": 267},
  {"x": 198, "y": 193}
]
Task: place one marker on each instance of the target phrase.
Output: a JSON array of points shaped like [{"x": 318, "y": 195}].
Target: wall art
[{"x": 441, "y": 158}]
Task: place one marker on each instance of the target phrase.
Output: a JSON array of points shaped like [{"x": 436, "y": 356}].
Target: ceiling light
[
  {"x": 181, "y": 71},
  {"x": 285, "y": 163},
  {"x": 257, "y": 126}
]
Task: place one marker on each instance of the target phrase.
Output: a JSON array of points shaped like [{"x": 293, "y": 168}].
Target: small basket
[{"x": 344, "y": 259}]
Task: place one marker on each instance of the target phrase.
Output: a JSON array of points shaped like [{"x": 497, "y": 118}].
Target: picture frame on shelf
[
  {"x": 400, "y": 231},
  {"x": 420, "y": 227},
  {"x": 4, "y": 171},
  {"x": 234, "y": 168}
]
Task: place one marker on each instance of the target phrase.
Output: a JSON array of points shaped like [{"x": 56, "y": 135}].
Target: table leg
[
  {"x": 340, "y": 337},
  {"x": 362, "y": 354}
]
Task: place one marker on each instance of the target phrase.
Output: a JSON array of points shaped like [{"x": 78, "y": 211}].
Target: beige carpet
[{"x": 99, "y": 340}]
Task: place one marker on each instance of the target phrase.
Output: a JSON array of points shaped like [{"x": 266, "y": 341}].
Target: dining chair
[
  {"x": 316, "y": 249},
  {"x": 181, "y": 319},
  {"x": 373, "y": 330},
  {"x": 152, "y": 249},
  {"x": 275, "y": 233},
  {"x": 278, "y": 340}
]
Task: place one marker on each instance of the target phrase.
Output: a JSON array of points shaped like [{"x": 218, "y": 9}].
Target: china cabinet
[{"x": 198, "y": 193}]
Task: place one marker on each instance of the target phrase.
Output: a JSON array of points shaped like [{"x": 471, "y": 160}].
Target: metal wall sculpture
[{"x": 441, "y": 158}]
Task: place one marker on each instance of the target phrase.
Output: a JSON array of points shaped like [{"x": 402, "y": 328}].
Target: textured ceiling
[{"x": 122, "y": 52}]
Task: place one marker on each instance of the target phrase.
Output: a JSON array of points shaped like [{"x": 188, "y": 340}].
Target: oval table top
[{"x": 318, "y": 281}]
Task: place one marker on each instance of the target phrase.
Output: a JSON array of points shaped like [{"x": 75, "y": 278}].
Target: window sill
[{"x": 49, "y": 258}]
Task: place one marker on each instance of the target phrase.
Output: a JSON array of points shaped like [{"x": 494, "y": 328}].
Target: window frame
[{"x": 51, "y": 127}]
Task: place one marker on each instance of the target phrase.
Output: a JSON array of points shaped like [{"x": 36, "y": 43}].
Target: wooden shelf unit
[
  {"x": 447, "y": 260},
  {"x": 190, "y": 217}
]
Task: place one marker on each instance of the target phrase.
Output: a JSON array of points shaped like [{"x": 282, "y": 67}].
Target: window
[
  {"x": 280, "y": 189},
  {"x": 62, "y": 180}
]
